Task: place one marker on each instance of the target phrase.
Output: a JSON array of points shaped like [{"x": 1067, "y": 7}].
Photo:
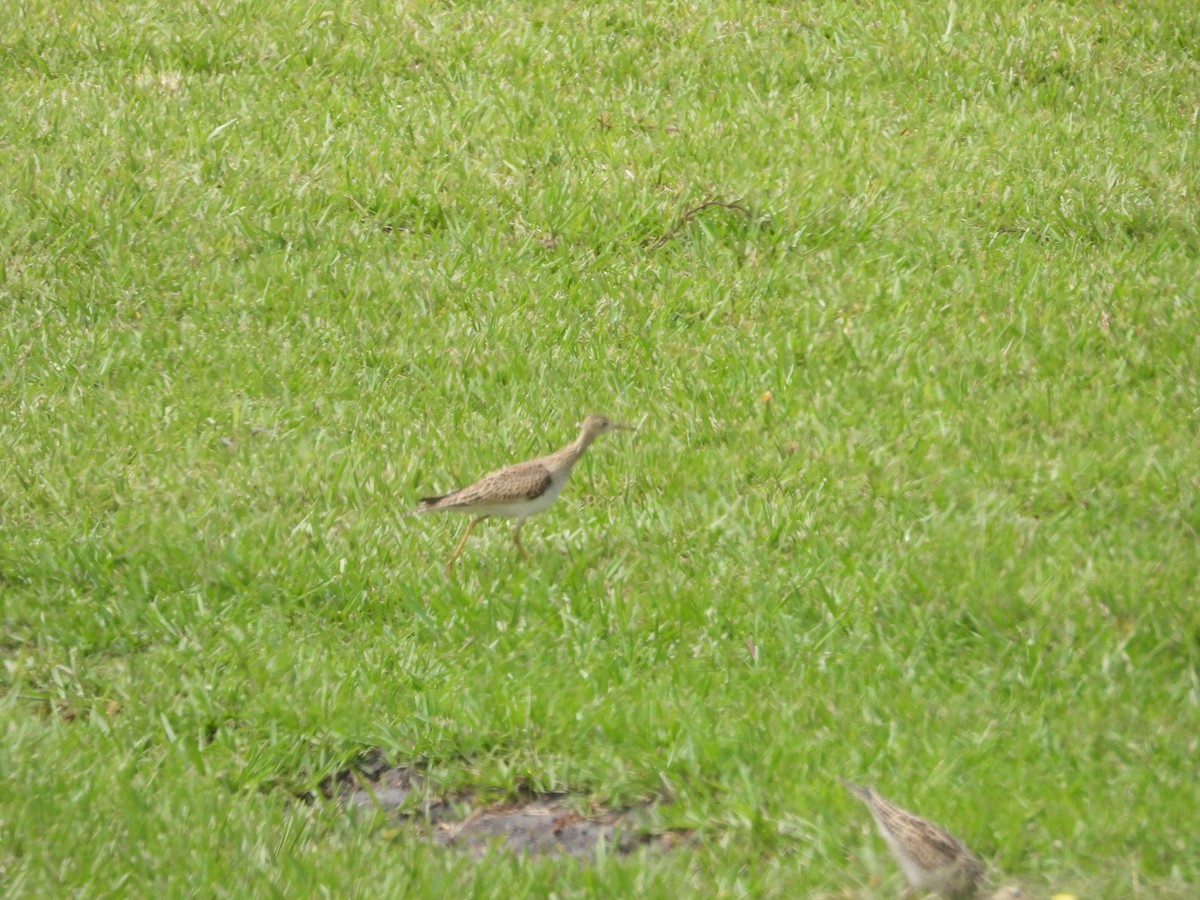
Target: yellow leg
[
  {"x": 463, "y": 542},
  {"x": 517, "y": 540}
]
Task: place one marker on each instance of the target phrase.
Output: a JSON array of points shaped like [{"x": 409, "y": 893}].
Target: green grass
[{"x": 272, "y": 270}]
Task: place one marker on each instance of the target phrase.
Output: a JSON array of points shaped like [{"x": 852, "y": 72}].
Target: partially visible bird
[
  {"x": 933, "y": 860},
  {"x": 518, "y": 491}
]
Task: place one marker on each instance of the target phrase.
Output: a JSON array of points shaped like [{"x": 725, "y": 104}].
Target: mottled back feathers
[
  {"x": 931, "y": 857},
  {"x": 518, "y": 491},
  {"x": 522, "y": 482}
]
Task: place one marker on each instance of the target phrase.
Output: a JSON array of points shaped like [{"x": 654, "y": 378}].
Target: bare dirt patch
[{"x": 533, "y": 824}]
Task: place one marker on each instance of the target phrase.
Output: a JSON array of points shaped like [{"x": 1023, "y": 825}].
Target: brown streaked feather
[
  {"x": 524, "y": 481},
  {"x": 931, "y": 857},
  {"x": 929, "y": 845},
  {"x": 941, "y": 847}
]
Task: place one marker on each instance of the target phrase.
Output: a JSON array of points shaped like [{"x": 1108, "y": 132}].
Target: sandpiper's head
[{"x": 595, "y": 424}]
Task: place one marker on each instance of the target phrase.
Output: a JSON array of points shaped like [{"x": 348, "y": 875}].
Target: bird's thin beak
[{"x": 620, "y": 427}]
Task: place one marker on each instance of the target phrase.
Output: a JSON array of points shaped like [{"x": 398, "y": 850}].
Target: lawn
[{"x": 913, "y": 500}]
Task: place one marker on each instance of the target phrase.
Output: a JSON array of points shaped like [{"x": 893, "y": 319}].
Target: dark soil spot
[{"x": 534, "y": 824}]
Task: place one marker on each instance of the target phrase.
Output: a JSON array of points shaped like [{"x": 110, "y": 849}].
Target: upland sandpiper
[
  {"x": 933, "y": 860},
  {"x": 520, "y": 490}
]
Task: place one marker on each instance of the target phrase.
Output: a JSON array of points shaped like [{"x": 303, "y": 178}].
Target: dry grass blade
[{"x": 692, "y": 213}]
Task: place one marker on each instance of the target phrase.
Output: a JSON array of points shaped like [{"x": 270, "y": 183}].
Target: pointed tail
[
  {"x": 425, "y": 504},
  {"x": 861, "y": 791}
]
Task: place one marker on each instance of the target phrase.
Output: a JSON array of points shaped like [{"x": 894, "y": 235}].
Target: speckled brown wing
[
  {"x": 931, "y": 847},
  {"x": 524, "y": 481},
  {"x": 931, "y": 857}
]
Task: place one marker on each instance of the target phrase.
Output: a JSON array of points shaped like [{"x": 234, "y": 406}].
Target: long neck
[{"x": 570, "y": 454}]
